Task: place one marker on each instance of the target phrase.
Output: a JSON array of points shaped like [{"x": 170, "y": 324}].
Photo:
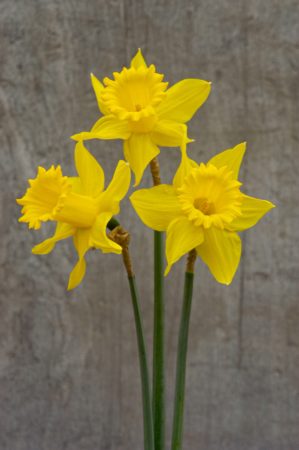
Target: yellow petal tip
[
  {"x": 167, "y": 270},
  {"x": 72, "y": 284},
  {"x": 76, "y": 137}
]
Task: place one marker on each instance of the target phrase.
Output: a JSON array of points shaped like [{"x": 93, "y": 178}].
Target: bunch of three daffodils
[
  {"x": 201, "y": 211},
  {"x": 204, "y": 207}
]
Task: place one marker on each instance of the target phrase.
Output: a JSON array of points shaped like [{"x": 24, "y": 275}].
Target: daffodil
[
  {"x": 203, "y": 209},
  {"x": 138, "y": 108},
  {"x": 80, "y": 206}
]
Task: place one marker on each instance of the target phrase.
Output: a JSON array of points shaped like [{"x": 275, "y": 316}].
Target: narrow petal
[
  {"x": 186, "y": 165},
  {"x": 232, "y": 158},
  {"x": 98, "y": 88},
  {"x": 76, "y": 185},
  {"x": 253, "y": 209},
  {"x": 99, "y": 238},
  {"x": 82, "y": 244},
  {"x": 183, "y": 100},
  {"x": 182, "y": 236},
  {"x": 168, "y": 133},
  {"x": 138, "y": 60},
  {"x": 89, "y": 170},
  {"x": 139, "y": 151},
  {"x": 107, "y": 127},
  {"x": 63, "y": 231},
  {"x": 221, "y": 252},
  {"x": 157, "y": 206},
  {"x": 77, "y": 274},
  {"x": 117, "y": 189}
]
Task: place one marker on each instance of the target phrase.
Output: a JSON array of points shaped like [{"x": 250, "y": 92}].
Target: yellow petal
[
  {"x": 76, "y": 184},
  {"x": 99, "y": 238},
  {"x": 98, "y": 88},
  {"x": 253, "y": 209},
  {"x": 168, "y": 133},
  {"x": 221, "y": 251},
  {"x": 107, "y": 127},
  {"x": 63, "y": 231},
  {"x": 77, "y": 274},
  {"x": 183, "y": 99},
  {"x": 82, "y": 244},
  {"x": 182, "y": 236},
  {"x": 138, "y": 60},
  {"x": 117, "y": 189},
  {"x": 186, "y": 165},
  {"x": 232, "y": 158},
  {"x": 139, "y": 150},
  {"x": 156, "y": 206},
  {"x": 89, "y": 170}
]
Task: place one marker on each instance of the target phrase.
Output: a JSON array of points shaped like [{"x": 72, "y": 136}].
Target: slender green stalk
[
  {"x": 122, "y": 237},
  {"x": 178, "y": 416},
  {"x": 158, "y": 345},
  {"x": 145, "y": 382},
  {"x": 113, "y": 223}
]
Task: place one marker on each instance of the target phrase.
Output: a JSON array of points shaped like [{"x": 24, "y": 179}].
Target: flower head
[
  {"x": 80, "y": 206},
  {"x": 204, "y": 209},
  {"x": 139, "y": 109}
]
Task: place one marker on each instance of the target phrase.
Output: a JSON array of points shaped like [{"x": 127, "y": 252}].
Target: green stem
[
  {"x": 158, "y": 345},
  {"x": 113, "y": 223},
  {"x": 146, "y": 396},
  {"x": 178, "y": 417}
]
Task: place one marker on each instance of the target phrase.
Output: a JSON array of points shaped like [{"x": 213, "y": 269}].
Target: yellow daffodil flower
[
  {"x": 80, "y": 206},
  {"x": 203, "y": 209},
  {"x": 139, "y": 109}
]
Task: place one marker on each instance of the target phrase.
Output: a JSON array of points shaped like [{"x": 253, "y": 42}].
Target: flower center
[
  {"x": 50, "y": 197},
  {"x": 133, "y": 95},
  {"x": 210, "y": 196},
  {"x": 204, "y": 206}
]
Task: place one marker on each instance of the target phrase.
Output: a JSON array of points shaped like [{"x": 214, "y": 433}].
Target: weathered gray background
[{"x": 68, "y": 361}]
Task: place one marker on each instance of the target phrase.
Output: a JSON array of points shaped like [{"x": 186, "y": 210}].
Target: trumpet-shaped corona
[
  {"x": 134, "y": 94},
  {"x": 210, "y": 196},
  {"x": 41, "y": 199},
  {"x": 204, "y": 209},
  {"x": 79, "y": 205},
  {"x": 139, "y": 108}
]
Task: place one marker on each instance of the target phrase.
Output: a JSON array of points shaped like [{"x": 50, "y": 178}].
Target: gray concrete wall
[{"x": 68, "y": 361}]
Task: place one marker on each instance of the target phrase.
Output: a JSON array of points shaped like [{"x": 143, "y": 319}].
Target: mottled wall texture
[{"x": 68, "y": 361}]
